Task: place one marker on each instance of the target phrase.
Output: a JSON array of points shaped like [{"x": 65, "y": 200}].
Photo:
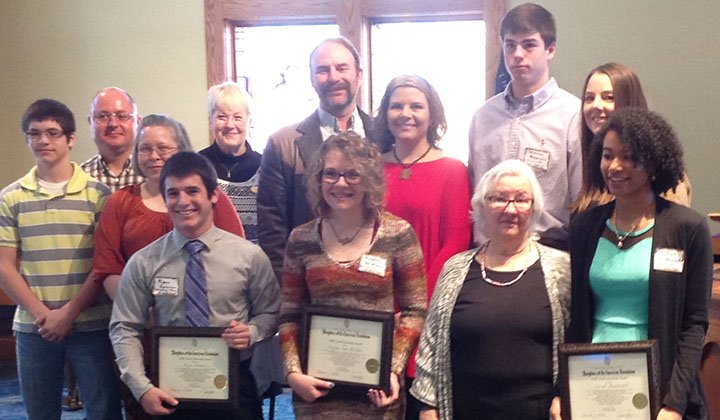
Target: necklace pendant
[
  {"x": 620, "y": 243},
  {"x": 228, "y": 174},
  {"x": 405, "y": 174}
]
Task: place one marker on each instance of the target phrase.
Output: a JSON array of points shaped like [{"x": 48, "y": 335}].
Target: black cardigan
[{"x": 678, "y": 302}]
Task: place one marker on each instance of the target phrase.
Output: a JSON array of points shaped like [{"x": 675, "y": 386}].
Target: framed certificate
[
  {"x": 195, "y": 366},
  {"x": 610, "y": 380},
  {"x": 350, "y": 347}
]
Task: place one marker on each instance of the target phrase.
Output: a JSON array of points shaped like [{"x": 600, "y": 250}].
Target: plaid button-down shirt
[{"x": 96, "y": 168}]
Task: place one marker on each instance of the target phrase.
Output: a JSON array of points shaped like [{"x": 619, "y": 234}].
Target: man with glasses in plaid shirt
[{"x": 113, "y": 121}]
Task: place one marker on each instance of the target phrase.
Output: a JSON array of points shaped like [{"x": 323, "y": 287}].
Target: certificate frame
[
  {"x": 382, "y": 323},
  {"x": 611, "y": 353},
  {"x": 200, "y": 338}
]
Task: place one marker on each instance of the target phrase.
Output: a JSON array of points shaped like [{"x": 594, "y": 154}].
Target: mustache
[{"x": 334, "y": 86}]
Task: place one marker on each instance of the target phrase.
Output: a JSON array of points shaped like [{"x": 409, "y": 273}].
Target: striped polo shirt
[{"x": 54, "y": 237}]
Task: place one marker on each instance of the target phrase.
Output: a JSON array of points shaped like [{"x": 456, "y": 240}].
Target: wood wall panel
[{"x": 214, "y": 43}]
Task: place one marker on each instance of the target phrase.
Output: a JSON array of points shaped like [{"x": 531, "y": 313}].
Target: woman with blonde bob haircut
[
  {"x": 236, "y": 163},
  {"x": 489, "y": 345},
  {"x": 354, "y": 256}
]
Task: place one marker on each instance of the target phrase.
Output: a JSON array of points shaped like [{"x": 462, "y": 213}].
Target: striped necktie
[{"x": 197, "y": 310}]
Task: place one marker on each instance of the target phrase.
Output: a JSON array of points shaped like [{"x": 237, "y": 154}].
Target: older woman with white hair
[
  {"x": 236, "y": 163},
  {"x": 489, "y": 346}
]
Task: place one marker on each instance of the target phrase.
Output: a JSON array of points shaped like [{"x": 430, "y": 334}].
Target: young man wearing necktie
[{"x": 196, "y": 275}]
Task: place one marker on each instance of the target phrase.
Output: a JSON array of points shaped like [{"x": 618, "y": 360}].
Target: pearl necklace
[{"x": 488, "y": 280}]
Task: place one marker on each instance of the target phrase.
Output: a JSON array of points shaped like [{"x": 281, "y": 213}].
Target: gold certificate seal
[
  {"x": 221, "y": 381},
  {"x": 640, "y": 401},
  {"x": 372, "y": 365}
]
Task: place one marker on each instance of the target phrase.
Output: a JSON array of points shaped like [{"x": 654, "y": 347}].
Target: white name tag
[
  {"x": 165, "y": 286},
  {"x": 668, "y": 259},
  {"x": 537, "y": 159},
  {"x": 373, "y": 264}
]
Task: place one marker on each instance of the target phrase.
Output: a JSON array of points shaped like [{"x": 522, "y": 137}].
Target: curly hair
[
  {"x": 364, "y": 156},
  {"x": 651, "y": 142},
  {"x": 437, "y": 126}
]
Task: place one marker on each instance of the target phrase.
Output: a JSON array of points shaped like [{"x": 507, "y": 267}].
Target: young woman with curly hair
[{"x": 642, "y": 265}]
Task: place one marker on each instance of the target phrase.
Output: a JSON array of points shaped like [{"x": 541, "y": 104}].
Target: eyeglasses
[
  {"x": 521, "y": 204},
  {"x": 331, "y": 176},
  {"x": 104, "y": 117},
  {"x": 51, "y": 133},
  {"x": 162, "y": 151}
]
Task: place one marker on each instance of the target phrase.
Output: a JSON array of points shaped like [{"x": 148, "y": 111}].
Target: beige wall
[
  {"x": 69, "y": 49},
  {"x": 155, "y": 49}
]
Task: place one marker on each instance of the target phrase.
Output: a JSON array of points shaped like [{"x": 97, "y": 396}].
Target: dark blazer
[
  {"x": 282, "y": 195},
  {"x": 678, "y": 302}
]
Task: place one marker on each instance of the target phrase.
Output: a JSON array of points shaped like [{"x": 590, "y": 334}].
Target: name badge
[
  {"x": 165, "y": 286},
  {"x": 537, "y": 159},
  {"x": 373, "y": 264},
  {"x": 668, "y": 259}
]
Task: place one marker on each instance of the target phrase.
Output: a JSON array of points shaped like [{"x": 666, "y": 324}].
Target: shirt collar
[
  {"x": 77, "y": 181},
  {"x": 104, "y": 169},
  {"x": 329, "y": 125},
  {"x": 530, "y": 102},
  {"x": 208, "y": 238}
]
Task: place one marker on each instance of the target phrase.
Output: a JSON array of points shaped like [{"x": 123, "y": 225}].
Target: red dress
[
  {"x": 126, "y": 226},
  {"x": 435, "y": 200}
]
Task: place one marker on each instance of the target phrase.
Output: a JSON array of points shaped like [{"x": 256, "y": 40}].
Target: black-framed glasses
[
  {"x": 520, "y": 203},
  {"x": 162, "y": 151},
  {"x": 332, "y": 176},
  {"x": 51, "y": 133},
  {"x": 104, "y": 117}
]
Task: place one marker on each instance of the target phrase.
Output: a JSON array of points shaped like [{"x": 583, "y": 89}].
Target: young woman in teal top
[
  {"x": 641, "y": 265},
  {"x": 619, "y": 278}
]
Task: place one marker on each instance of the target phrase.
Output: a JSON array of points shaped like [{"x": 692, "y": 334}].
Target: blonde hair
[{"x": 227, "y": 93}]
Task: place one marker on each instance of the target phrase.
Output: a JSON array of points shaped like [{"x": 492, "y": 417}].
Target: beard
[{"x": 332, "y": 104}]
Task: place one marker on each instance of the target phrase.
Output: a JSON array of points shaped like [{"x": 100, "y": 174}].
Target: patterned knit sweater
[{"x": 311, "y": 276}]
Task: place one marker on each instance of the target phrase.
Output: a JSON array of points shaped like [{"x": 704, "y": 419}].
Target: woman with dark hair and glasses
[
  {"x": 489, "y": 346},
  {"x": 136, "y": 215},
  {"x": 353, "y": 255}
]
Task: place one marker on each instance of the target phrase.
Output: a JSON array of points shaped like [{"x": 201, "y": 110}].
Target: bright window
[
  {"x": 276, "y": 71},
  {"x": 448, "y": 54},
  {"x": 272, "y": 62}
]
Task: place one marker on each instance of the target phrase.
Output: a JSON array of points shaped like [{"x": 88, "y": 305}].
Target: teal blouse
[{"x": 619, "y": 279}]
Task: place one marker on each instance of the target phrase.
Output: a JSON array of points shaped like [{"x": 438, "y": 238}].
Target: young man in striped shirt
[{"x": 47, "y": 219}]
